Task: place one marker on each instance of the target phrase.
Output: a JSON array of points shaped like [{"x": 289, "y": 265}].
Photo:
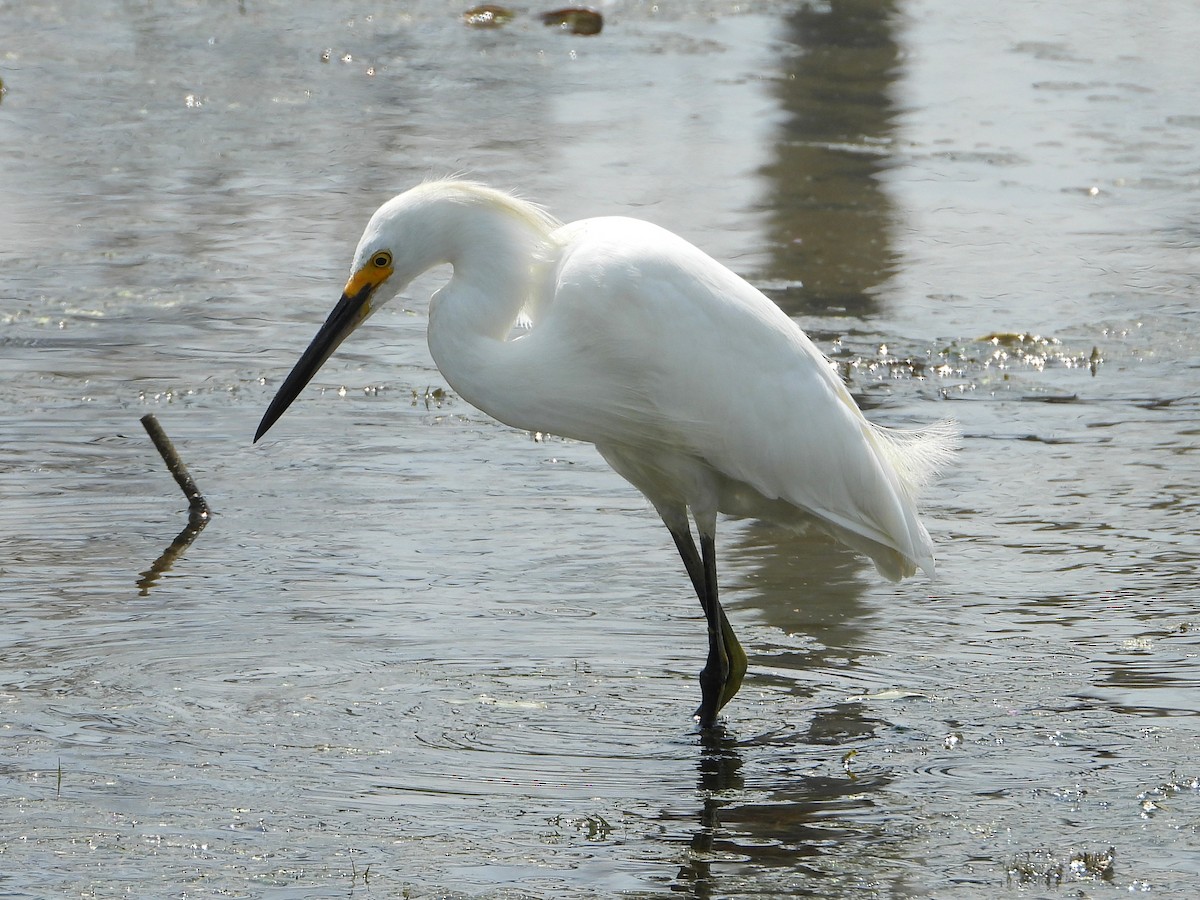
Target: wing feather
[{"x": 690, "y": 369}]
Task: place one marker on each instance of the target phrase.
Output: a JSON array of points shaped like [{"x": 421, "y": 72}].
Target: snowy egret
[{"x": 691, "y": 383}]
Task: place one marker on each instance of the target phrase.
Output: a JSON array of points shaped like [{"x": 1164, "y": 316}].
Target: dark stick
[{"x": 198, "y": 511}]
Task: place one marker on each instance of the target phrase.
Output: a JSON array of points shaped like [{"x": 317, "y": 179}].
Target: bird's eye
[{"x": 382, "y": 260}]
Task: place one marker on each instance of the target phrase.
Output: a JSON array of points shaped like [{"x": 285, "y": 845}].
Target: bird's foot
[
  {"x": 711, "y": 683},
  {"x": 722, "y": 675},
  {"x": 705, "y": 718}
]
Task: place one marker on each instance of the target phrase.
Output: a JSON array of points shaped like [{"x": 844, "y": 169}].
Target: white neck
[{"x": 470, "y": 319}]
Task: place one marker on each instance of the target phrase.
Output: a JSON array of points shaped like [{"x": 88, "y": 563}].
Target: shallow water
[{"x": 417, "y": 653}]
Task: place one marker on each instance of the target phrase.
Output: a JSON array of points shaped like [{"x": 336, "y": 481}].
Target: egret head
[
  {"x": 411, "y": 233},
  {"x": 390, "y": 254}
]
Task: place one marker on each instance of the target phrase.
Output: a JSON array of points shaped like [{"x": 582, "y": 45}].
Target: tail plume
[{"x": 918, "y": 455}]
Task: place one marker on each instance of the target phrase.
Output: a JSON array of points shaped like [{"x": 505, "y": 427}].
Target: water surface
[{"x": 417, "y": 653}]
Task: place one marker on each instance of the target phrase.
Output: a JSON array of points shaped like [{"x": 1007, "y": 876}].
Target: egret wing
[{"x": 685, "y": 358}]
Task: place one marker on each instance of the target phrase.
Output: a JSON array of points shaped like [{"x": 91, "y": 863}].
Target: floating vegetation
[
  {"x": 1044, "y": 867},
  {"x": 847, "y": 763},
  {"x": 1009, "y": 361},
  {"x": 1151, "y": 801},
  {"x": 1029, "y": 349},
  {"x": 1036, "y": 352},
  {"x": 575, "y": 20},
  {"x": 570, "y": 19},
  {"x": 1005, "y": 351},
  {"x": 592, "y": 828},
  {"x": 365, "y": 874},
  {"x": 881, "y": 363},
  {"x": 1012, "y": 338},
  {"x": 487, "y": 16},
  {"x": 433, "y": 397}
]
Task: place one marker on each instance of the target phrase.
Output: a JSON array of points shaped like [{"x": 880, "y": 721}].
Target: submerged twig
[
  {"x": 197, "y": 506},
  {"x": 198, "y": 511}
]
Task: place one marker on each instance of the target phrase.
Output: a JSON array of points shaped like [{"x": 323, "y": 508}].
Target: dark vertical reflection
[
  {"x": 829, "y": 219},
  {"x": 798, "y": 825},
  {"x": 803, "y": 585},
  {"x": 720, "y": 771}
]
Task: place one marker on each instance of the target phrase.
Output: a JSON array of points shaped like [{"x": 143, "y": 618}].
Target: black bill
[{"x": 349, "y": 313}]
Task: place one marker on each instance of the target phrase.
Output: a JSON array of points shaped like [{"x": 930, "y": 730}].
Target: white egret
[{"x": 691, "y": 383}]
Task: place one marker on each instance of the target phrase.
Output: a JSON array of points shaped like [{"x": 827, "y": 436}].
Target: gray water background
[{"x": 419, "y": 654}]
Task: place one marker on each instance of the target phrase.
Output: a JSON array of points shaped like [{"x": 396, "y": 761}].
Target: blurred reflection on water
[
  {"x": 415, "y": 643},
  {"x": 831, "y": 218}
]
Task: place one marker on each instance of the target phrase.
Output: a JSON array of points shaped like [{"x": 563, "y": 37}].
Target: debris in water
[
  {"x": 575, "y": 20},
  {"x": 847, "y": 760},
  {"x": 198, "y": 509},
  {"x": 432, "y": 397},
  {"x": 1042, "y": 866},
  {"x": 487, "y": 16},
  {"x": 1087, "y": 864},
  {"x": 1015, "y": 338}
]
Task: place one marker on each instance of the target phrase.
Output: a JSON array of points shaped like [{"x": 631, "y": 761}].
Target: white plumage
[{"x": 691, "y": 383}]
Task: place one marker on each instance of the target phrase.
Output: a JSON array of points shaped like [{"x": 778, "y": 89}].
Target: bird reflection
[
  {"x": 720, "y": 772},
  {"x": 806, "y": 588},
  {"x": 806, "y": 792}
]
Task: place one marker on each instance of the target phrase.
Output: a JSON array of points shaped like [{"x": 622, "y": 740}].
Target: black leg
[
  {"x": 691, "y": 561},
  {"x": 726, "y": 663},
  {"x": 718, "y": 668}
]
